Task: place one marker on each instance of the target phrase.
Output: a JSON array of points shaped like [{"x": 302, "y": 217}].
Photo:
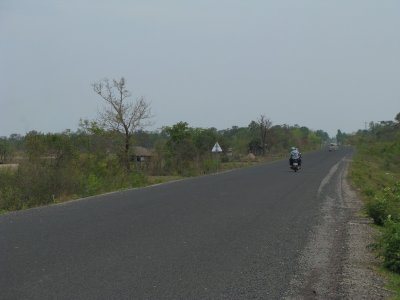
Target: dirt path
[{"x": 336, "y": 264}]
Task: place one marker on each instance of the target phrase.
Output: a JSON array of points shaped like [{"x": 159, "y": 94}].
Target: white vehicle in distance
[{"x": 333, "y": 147}]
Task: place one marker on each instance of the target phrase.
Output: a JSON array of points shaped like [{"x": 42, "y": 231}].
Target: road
[{"x": 235, "y": 235}]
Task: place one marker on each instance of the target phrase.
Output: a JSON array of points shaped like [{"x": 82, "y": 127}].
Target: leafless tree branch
[
  {"x": 120, "y": 114},
  {"x": 265, "y": 124}
]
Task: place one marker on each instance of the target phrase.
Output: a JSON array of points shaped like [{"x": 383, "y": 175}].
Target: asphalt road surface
[{"x": 234, "y": 235}]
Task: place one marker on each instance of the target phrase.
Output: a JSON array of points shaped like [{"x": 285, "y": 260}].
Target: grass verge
[{"x": 376, "y": 177}]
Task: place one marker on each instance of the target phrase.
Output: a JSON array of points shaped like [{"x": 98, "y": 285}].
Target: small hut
[{"x": 141, "y": 154}]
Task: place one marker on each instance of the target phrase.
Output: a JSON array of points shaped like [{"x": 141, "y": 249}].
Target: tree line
[{"x": 101, "y": 155}]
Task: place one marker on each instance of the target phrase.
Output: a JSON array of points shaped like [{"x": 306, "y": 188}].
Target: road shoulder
[
  {"x": 360, "y": 277},
  {"x": 337, "y": 263}
]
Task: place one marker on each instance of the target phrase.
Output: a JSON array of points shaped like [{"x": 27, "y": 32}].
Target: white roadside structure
[{"x": 217, "y": 148}]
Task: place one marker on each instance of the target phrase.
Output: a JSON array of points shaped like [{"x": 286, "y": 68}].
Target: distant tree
[
  {"x": 17, "y": 141},
  {"x": 296, "y": 136},
  {"x": 204, "y": 139},
  {"x": 342, "y": 138},
  {"x": 147, "y": 139},
  {"x": 237, "y": 139},
  {"x": 339, "y": 136},
  {"x": 265, "y": 125},
  {"x": 180, "y": 148},
  {"x": 60, "y": 149},
  {"x": 35, "y": 145},
  {"x": 255, "y": 146},
  {"x": 259, "y": 131},
  {"x": 120, "y": 115},
  {"x": 254, "y": 128},
  {"x": 280, "y": 137},
  {"x": 397, "y": 118},
  {"x": 92, "y": 138},
  {"x": 324, "y": 136},
  {"x": 6, "y": 150}
]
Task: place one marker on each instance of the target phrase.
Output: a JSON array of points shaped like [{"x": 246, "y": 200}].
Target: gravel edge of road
[
  {"x": 360, "y": 276},
  {"x": 337, "y": 263}
]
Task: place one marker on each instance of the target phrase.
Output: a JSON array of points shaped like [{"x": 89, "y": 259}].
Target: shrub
[
  {"x": 385, "y": 205},
  {"x": 35, "y": 180},
  {"x": 137, "y": 179},
  {"x": 93, "y": 185},
  {"x": 377, "y": 209},
  {"x": 10, "y": 199},
  {"x": 390, "y": 246},
  {"x": 210, "y": 165}
]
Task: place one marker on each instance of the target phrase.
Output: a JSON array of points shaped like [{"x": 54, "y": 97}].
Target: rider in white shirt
[{"x": 295, "y": 154}]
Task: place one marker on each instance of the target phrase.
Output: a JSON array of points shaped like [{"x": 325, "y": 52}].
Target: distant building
[{"x": 141, "y": 155}]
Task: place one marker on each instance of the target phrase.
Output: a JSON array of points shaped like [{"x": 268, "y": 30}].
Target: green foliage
[
  {"x": 93, "y": 185},
  {"x": 6, "y": 150},
  {"x": 204, "y": 140},
  {"x": 238, "y": 139},
  {"x": 35, "y": 145},
  {"x": 137, "y": 179},
  {"x": 392, "y": 282},
  {"x": 54, "y": 171},
  {"x": 55, "y": 167},
  {"x": 385, "y": 206},
  {"x": 378, "y": 210},
  {"x": 389, "y": 246},
  {"x": 180, "y": 149},
  {"x": 9, "y": 193},
  {"x": 10, "y": 199},
  {"x": 210, "y": 165},
  {"x": 376, "y": 173},
  {"x": 36, "y": 182}
]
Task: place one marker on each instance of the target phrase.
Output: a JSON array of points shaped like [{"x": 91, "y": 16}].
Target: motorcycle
[{"x": 295, "y": 165}]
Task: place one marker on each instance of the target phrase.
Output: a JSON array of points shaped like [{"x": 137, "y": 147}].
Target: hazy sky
[{"x": 213, "y": 63}]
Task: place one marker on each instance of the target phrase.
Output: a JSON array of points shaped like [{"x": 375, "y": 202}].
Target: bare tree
[
  {"x": 264, "y": 124},
  {"x": 120, "y": 114},
  {"x": 397, "y": 118}
]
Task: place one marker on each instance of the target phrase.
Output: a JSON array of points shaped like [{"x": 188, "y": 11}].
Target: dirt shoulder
[
  {"x": 337, "y": 263},
  {"x": 360, "y": 278}
]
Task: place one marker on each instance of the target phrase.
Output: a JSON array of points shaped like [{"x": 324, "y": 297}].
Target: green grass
[
  {"x": 375, "y": 173},
  {"x": 393, "y": 282},
  {"x": 161, "y": 179}
]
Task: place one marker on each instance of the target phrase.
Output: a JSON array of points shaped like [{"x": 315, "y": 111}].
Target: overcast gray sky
[{"x": 213, "y": 63}]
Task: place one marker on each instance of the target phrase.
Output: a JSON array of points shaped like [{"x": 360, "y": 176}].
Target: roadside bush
[
  {"x": 386, "y": 205},
  {"x": 137, "y": 179},
  {"x": 35, "y": 180},
  {"x": 210, "y": 165},
  {"x": 92, "y": 185},
  {"x": 10, "y": 199},
  {"x": 390, "y": 246},
  {"x": 377, "y": 209},
  {"x": 9, "y": 192}
]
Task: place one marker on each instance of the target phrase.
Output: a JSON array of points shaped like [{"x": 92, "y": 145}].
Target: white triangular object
[{"x": 216, "y": 148}]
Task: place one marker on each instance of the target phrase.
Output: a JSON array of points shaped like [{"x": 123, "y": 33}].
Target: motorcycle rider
[{"x": 295, "y": 154}]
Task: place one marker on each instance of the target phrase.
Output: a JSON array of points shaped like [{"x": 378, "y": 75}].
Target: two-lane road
[{"x": 235, "y": 235}]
